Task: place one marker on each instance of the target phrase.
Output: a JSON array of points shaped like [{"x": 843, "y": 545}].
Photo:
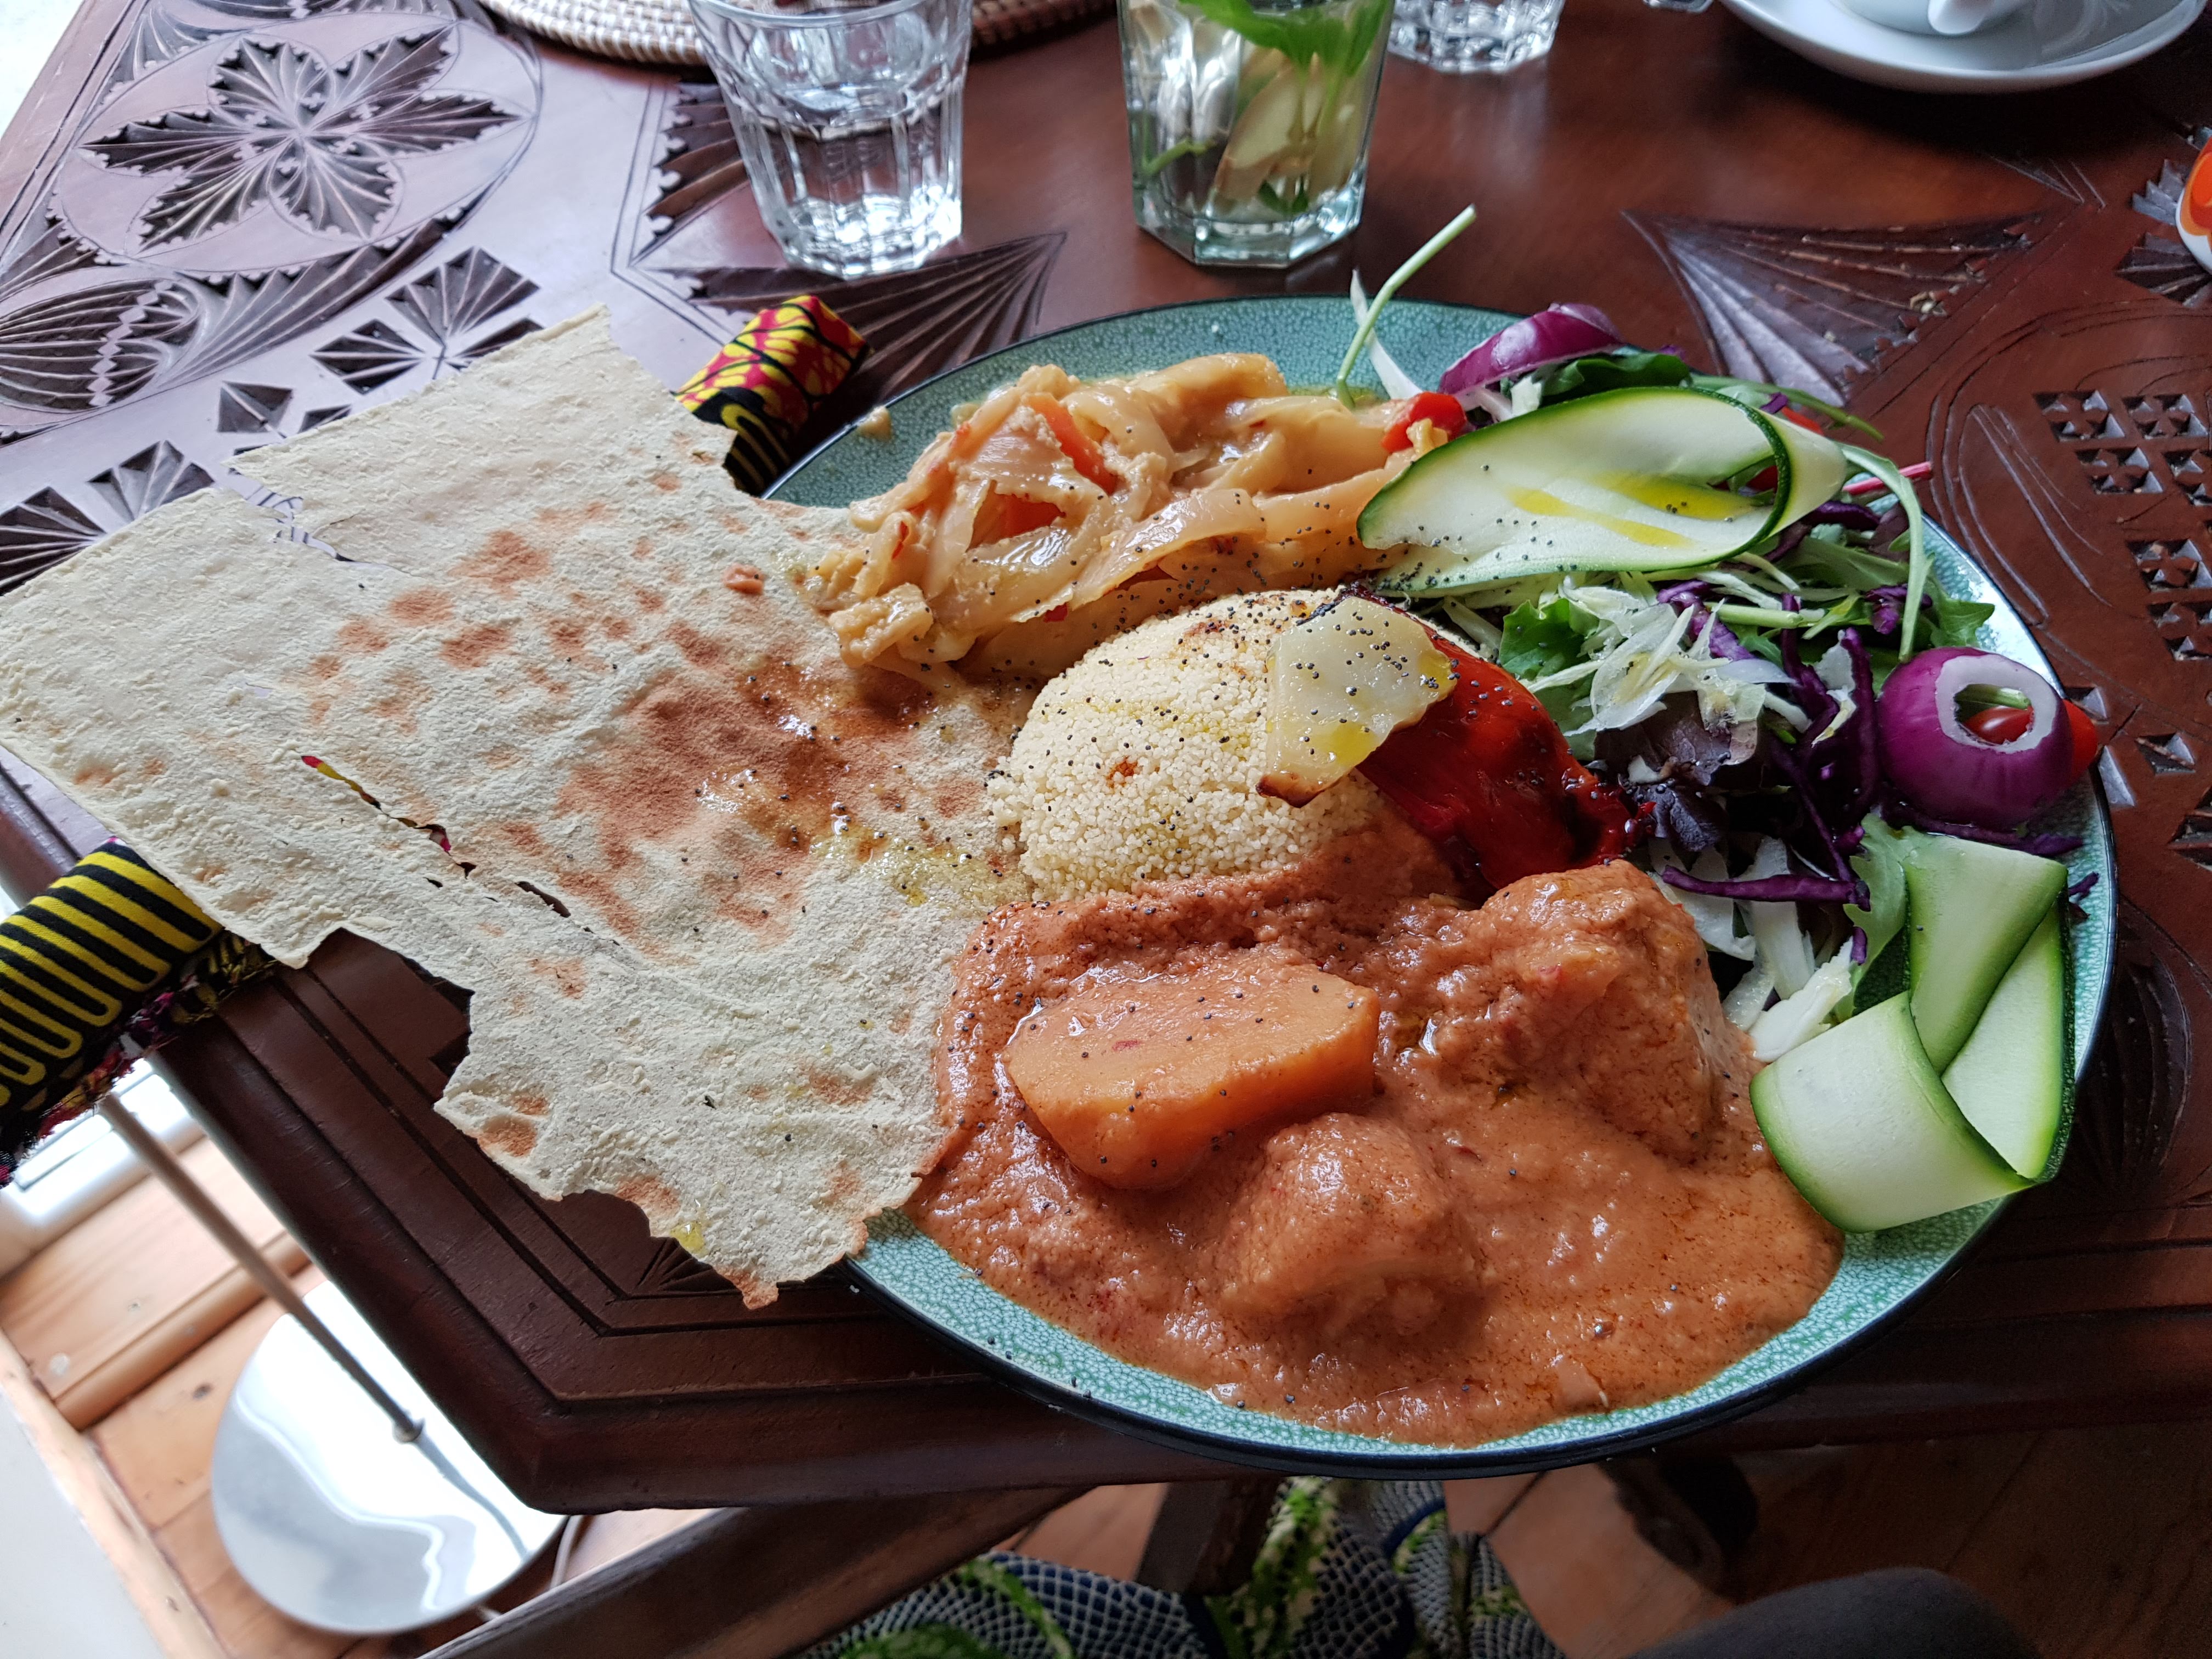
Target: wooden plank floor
[
  {"x": 112, "y": 1303},
  {"x": 2094, "y": 1541}
]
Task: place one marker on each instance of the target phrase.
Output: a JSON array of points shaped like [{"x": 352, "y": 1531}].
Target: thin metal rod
[{"x": 209, "y": 1214}]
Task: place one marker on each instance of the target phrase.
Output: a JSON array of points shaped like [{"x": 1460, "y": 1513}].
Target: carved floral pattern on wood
[
  {"x": 283, "y": 130},
  {"x": 1818, "y": 309},
  {"x": 250, "y": 170}
]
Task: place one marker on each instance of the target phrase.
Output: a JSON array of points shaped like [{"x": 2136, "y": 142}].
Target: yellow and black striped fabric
[
  {"x": 77, "y": 965},
  {"x": 766, "y": 384}
]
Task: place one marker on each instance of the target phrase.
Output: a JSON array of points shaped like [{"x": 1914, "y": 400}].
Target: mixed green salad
[{"x": 1726, "y": 602}]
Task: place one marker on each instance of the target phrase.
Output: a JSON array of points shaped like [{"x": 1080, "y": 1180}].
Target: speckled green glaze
[{"x": 1880, "y": 1271}]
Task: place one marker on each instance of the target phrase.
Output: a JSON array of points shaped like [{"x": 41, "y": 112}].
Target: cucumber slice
[
  {"x": 1859, "y": 1121},
  {"x": 1970, "y": 907},
  {"x": 1616, "y": 481},
  {"x": 2010, "y": 1079}
]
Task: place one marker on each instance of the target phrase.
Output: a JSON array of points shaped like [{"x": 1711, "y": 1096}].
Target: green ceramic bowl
[{"x": 1882, "y": 1272}]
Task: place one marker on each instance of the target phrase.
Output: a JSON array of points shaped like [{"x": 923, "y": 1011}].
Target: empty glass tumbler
[
  {"x": 1249, "y": 122},
  {"x": 1467, "y": 37},
  {"x": 848, "y": 120}
]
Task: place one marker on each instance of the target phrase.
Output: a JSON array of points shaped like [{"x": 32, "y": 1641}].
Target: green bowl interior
[{"x": 1880, "y": 1271}]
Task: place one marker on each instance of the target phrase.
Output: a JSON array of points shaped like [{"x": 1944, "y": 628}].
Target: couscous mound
[{"x": 1142, "y": 761}]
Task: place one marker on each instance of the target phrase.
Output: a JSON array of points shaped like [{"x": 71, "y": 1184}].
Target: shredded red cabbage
[
  {"x": 1720, "y": 639},
  {"x": 1866, "y": 749},
  {"x": 2021, "y": 840},
  {"x": 1803, "y": 890},
  {"x": 1888, "y": 608},
  {"x": 1849, "y": 514}
]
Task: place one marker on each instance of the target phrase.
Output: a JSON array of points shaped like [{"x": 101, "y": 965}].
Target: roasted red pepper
[
  {"x": 1487, "y": 776},
  {"x": 1440, "y": 408}
]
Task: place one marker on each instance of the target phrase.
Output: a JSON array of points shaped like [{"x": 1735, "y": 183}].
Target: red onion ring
[
  {"x": 1944, "y": 770},
  {"x": 1557, "y": 334}
]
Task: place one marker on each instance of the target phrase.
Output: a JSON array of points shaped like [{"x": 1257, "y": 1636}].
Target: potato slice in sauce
[
  {"x": 1135, "y": 1078},
  {"x": 1338, "y": 685}
]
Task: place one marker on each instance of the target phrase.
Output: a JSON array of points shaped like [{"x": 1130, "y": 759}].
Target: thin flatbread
[{"x": 703, "y": 881}]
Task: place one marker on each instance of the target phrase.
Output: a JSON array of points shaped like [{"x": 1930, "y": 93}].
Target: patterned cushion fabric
[{"x": 1350, "y": 1570}]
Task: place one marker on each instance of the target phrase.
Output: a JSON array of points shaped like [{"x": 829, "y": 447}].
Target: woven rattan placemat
[{"x": 661, "y": 32}]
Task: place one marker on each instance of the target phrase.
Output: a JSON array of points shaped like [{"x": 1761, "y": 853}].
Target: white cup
[{"x": 1937, "y": 16}]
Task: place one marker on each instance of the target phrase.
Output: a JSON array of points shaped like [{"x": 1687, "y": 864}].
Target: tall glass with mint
[{"x": 1249, "y": 122}]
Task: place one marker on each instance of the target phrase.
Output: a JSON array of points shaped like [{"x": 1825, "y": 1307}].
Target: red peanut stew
[{"x": 1547, "y": 1194}]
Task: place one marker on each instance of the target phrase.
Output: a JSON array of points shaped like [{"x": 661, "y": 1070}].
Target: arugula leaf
[
  {"x": 1543, "y": 640},
  {"x": 1389, "y": 291},
  {"x": 1760, "y": 642},
  {"x": 1915, "y": 564},
  {"x": 1958, "y": 621},
  {"x": 1611, "y": 372},
  {"x": 1880, "y": 863},
  {"x": 1826, "y": 554}
]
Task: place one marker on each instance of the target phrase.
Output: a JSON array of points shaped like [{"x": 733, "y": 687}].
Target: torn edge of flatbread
[{"x": 529, "y": 729}]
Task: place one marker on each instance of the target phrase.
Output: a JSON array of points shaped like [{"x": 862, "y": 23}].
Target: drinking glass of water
[
  {"x": 848, "y": 115},
  {"x": 1467, "y": 37}
]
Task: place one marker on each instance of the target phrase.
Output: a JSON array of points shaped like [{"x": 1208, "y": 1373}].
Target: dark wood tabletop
[{"x": 1990, "y": 280}]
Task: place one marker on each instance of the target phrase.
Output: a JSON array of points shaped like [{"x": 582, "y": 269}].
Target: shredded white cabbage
[
  {"x": 1712, "y": 916},
  {"x": 1783, "y": 949},
  {"x": 1806, "y": 1012},
  {"x": 1640, "y": 654},
  {"x": 1479, "y": 631},
  {"x": 1834, "y": 669},
  {"x": 1748, "y": 1001}
]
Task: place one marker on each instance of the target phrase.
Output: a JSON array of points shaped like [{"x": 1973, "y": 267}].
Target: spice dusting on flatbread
[{"x": 703, "y": 880}]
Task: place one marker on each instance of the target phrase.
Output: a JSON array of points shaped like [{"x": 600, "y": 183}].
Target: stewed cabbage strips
[{"x": 1060, "y": 512}]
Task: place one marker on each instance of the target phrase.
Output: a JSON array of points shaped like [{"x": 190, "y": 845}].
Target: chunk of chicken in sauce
[
  {"x": 1062, "y": 511},
  {"x": 1583, "y": 985},
  {"x": 1345, "y": 1215}
]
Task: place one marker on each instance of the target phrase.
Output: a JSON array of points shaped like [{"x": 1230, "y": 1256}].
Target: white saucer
[{"x": 2051, "y": 44}]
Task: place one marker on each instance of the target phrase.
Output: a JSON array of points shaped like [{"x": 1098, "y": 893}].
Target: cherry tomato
[
  {"x": 2087, "y": 743},
  {"x": 2002, "y": 725},
  {"x": 1999, "y": 725},
  {"x": 1437, "y": 407},
  {"x": 1766, "y": 477}
]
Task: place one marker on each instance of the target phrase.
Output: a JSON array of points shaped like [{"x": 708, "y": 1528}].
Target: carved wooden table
[{"x": 231, "y": 219}]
